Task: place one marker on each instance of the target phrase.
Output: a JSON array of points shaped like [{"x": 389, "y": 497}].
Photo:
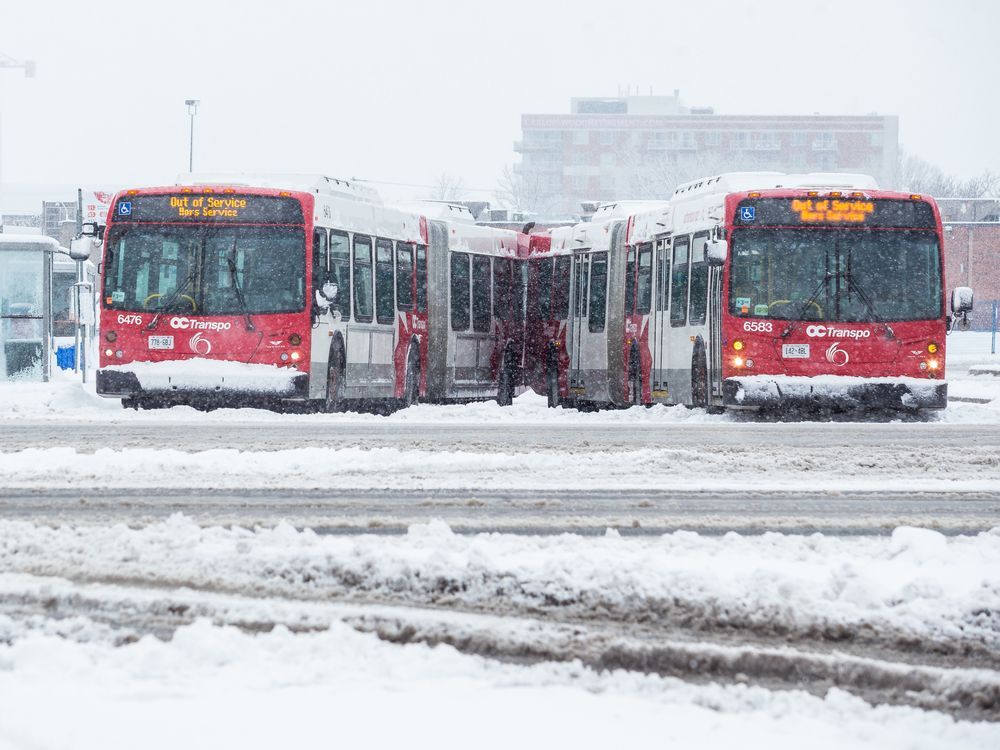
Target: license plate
[
  {"x": 161, "y": 342},
  {"x": 795, "y": 351}
]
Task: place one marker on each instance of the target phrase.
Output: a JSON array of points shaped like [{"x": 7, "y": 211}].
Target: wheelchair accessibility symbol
[
  {"x": 125, "y": 208},
  {"x": 747, "y": 213}
]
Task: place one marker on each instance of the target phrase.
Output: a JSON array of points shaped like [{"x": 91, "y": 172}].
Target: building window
[
  {"x": 739, "y": 140},
  {"x": 798, "y": 138},
  {"x": 824, "y": 142},
  {"x": 713, "y": 138},
  {"x": 607, "y": 138},
  {"x": 765, "y": 141},
  {"x": 581, "y": 137},
  {"x": 875, "y": 140},
  {"x": 580, "y": 182},
  {"x": 608, "y": 159}
]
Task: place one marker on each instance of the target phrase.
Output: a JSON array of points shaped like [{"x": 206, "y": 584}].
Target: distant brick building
[
  {"x": 972, "y": 252},
  {"x": 642, "y": 146}
]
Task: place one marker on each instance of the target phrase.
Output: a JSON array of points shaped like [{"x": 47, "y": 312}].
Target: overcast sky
[{"x": 406, "y": 91}]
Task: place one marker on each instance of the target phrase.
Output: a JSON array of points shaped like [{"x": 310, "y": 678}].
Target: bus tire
[
  {"x": 411, "y": 386},
  {"x": 552, "y": 383},
  {"x": 699, "y": 381},
  {"x": 505, "y": 385},
  {"x": 334, "y": 401}
]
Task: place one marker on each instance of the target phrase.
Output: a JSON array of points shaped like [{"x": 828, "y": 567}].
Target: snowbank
[
  {"x": 218, "y": 687},
  {"x": 916, "y": 586}
]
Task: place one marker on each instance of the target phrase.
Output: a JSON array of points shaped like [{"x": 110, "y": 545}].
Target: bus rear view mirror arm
[{"x": 716, "y": 252}]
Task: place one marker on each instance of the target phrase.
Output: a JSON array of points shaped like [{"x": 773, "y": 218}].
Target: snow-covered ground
[
  {"x": 216, "y": 687},
  {"x": 254, "y": 652},
  {"x": 313, "y": 679}
]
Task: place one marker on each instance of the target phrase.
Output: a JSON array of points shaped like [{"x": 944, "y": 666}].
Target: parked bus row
[{"x": 741, "y": 291}]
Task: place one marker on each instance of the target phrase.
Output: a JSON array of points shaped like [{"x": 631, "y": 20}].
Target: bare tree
[
  {"x": 448, "y": 188},
  {"x": 527, "y": 192},
  {"x": 919, "y": 176}
]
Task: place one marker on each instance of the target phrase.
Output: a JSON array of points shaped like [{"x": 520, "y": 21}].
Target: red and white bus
[
  {"x": 747, "y": 291},
  {"x": 302, "y": 290}
]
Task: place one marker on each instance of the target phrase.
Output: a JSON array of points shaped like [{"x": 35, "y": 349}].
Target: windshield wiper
[
  {"x": 172, "y": 298},
  {"x": 231, "y": 262},
  {"x": 872, "y": 312},
  {"x": 811, "y": 301}
]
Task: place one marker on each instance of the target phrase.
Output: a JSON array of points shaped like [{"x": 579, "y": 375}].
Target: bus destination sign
[
  {"x": 784, "y": 212},
  {"x": 209, "y": 207},
  {"x": 833, "y": 211}
]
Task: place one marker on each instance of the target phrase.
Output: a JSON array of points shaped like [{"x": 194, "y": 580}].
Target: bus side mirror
[
  {"x": 961, "y": 300},
  {"x": 716, "y": 252},
  {"x": 92, "y": 229},
  {"x": 331, "y": 293}
]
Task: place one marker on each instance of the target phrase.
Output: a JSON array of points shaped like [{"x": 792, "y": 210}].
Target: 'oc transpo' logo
[
  {"x": 819, "y": 331},
  {"x": 200, "y": 345}
]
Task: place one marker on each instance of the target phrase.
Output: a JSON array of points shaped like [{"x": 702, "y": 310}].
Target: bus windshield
[
  {"x": 205, "y": 270},
  {"x": 843, "y": 275}
]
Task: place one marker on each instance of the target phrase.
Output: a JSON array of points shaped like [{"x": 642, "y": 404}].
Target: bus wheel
[
  {"x": 334, "y": 385},
  {"x": 699, "y": 382},
  {"x": 411, "y": 388},
  {"x": 552, "y": 384}
]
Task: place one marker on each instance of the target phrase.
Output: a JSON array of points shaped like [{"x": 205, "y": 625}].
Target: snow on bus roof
[
  {"x": 739, "y": 182},
  {"x": 439, "y": 210},
  {"x": 306, "y": 183},
  {"x": 624, "y": 209}
]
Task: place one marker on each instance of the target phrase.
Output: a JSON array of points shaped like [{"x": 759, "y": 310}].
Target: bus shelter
[{"x": 26, "y": 310}]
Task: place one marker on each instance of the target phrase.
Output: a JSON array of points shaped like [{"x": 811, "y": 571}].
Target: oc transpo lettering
[
  {"x": 186, "y": 324},
  {"x": 844, "y": 333}
]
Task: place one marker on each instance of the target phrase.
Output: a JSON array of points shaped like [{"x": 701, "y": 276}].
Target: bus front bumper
[
  {"x": 833, "y": 392},
  {"x": 273, "y": 383}
]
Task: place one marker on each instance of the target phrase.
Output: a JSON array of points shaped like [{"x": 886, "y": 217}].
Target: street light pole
[
  {"x": 192, "y": 105},
  {"x": 6, "y": 61}
]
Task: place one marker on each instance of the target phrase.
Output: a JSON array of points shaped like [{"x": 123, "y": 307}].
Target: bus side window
[
  {"x": 630, "y": 282},
  {"x": 363, "y": 279},
  {"x": 598, "y": 291},
  {"x": 459, "y": 292},
  {"x": 560, "y": 289},
  {"x": 663, "y": 276},
  {"x": 384, "y": 303},
  {"x": 320, "y": 269},
  {"x": 501, "y": 290},
  {"x": 340, "y": 272},
  {"x": 679, "y": 282},
  {"x": 480, "y": 294},
  {"x": 404, "y": 276},
  {"x": 699, "y": 279},
  {"x": 645, "y": 286},
  {"x": 421, "y": 278},
  {"x": 544, "y": 300}
]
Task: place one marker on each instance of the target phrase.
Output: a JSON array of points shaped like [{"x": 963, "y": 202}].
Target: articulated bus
[
  {"x": 296, "y": 289},
  {"x": 747, "y": 291}
]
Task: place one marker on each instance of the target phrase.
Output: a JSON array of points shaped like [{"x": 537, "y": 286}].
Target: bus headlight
[
  {"x": 296, "y": 356},
  {"x": 737, "y": 361},
  {"x": 933, "y": 364},
  {"x": 109, "y": 352}
]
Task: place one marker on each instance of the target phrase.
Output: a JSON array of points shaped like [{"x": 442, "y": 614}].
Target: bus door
[
  {"x": 383, "y": 334},
  {"x": 715, "y": 330},
  {"x": 677, "y": 336},
  {"x": 463, "y": 353},
  {"x": 661, "y": 320},
  {"x": 577, "y": 320}
]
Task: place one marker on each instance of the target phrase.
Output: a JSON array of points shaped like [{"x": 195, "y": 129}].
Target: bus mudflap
[{"x": 833, "y": 392}]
